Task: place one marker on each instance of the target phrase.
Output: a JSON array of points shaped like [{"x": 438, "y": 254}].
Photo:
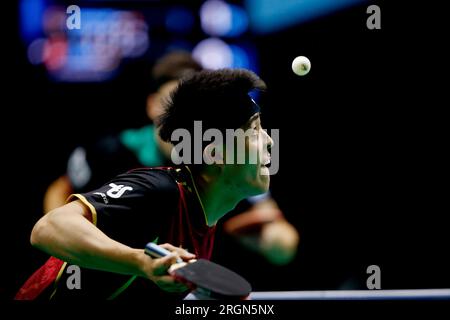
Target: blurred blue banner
[{"x": 272, "y": 15}]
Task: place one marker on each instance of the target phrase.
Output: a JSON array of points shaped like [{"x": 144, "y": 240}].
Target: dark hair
[
  {"x": 217, "y": 98},
  {"x": 173, "y": 66}
]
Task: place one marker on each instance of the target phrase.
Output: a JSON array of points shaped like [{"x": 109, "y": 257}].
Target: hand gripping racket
[{"x": 208, "y": 278}]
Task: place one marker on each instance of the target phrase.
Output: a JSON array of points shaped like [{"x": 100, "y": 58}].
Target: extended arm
[{"x": 67, "y": 233}]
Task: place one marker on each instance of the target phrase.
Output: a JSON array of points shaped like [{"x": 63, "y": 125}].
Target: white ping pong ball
[{"x": 301, "y": 65}]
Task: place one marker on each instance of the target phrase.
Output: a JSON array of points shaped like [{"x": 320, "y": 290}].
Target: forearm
[{"x": 73, "y": 238}]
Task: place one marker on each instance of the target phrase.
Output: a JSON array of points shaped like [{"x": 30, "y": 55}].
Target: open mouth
[{"x": 266, "y": 163}]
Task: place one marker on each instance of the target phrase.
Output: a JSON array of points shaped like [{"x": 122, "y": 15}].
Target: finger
[
  {"x": 176, "y": 266},
  {"x": 184, "y": 254},
  {"x": 161, "y": 265}
]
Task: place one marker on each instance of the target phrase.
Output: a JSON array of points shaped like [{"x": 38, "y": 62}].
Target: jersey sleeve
[{"x": 133, "y": 207}]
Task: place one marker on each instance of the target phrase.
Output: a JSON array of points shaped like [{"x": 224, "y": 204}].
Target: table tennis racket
[{"x": 206, "y": 277}]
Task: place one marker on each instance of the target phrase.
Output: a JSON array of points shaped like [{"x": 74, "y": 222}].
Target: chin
[
  {"x": 262, "y": 185},
  {"x": 264, "y": 178},
  {"x": 265, "y": 184}
]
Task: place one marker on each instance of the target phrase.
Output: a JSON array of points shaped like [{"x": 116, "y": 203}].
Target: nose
[{"x": 267, "y": 139}]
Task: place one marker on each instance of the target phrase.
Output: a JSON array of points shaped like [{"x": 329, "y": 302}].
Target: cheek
[
  {"x": 246, "y": 174},
  {"x": 254, "y": 149}
]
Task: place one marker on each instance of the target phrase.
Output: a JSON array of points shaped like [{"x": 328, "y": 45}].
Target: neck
[{"x": 217, "y": 197}]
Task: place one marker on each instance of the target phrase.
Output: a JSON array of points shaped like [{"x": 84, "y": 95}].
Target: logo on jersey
[
  {"x": 101, "y": 194},
  {"x": 117, "y": 191}
]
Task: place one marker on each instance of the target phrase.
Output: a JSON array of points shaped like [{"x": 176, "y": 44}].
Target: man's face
[{"x": 252, "y": 177}]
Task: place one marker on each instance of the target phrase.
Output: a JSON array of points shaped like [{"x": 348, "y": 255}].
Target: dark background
[{"x": 362, "y": 149}]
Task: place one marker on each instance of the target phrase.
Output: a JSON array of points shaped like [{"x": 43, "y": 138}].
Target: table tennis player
[
  {"x": 257, "y": 223},
  {"x": 104, "y": 231}
]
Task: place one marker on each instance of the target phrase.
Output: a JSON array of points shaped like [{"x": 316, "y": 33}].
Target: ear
[
  {"x": 213, "y": 154},
  {"x": 153, "y": 106}
]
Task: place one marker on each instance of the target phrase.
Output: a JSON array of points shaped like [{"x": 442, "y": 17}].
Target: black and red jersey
[{"x": 143, "y": 205}]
